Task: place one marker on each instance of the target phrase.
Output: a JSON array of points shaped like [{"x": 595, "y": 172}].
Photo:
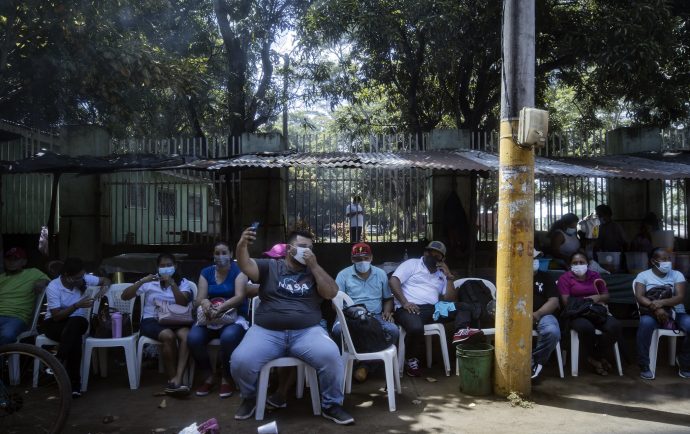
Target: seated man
[
  {"x": 19, "y": 287},
  {"x": 367, "y": 285},
  {"x": 286, "y": 323},
  {"x": 545, "y": 305},
  {"x": 417, "y": 285}
]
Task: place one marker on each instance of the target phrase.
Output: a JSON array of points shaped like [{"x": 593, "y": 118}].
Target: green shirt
[{"x": 17, "y": 293}]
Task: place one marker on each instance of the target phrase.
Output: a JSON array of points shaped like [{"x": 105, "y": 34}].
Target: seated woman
[
  {"x": 583, "y": 283},
  {"x": 655, "y": 313},
  {"x": 218, "y": 281},
  {"x": 169, "y": 287},
  {"x": 67, "y": 315},
  {"x": 563, "y": 238}
]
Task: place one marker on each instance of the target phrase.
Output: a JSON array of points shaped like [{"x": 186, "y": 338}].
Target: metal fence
[
  {"x": 396, "y": 203},
  {"x": 25, "y": 206},
  {"x": 172, "y": 206}
]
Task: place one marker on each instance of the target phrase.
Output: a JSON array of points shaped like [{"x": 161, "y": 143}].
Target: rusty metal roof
[{"x": 642, "y": 166}]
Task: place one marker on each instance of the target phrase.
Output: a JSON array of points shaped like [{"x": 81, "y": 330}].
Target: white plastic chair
[
  {"x": 128, "y": 343},
  {"x": 389, "y": 356},
  {"x": 458, "y": 283},
  {"x": 32, "y": 331},
  {"x": 144, "y": 340},
  {"x": 658, "y": 334},
  {"x": 575, "y": 353},
  {"x": 429, "y": 331},
  {"x": 559, "y": 354},
  {"x": 303, "y": 370},
  {"x": 43, "y": 340}
]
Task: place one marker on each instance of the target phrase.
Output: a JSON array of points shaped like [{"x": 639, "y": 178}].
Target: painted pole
[{"x": 515, "y": 205}]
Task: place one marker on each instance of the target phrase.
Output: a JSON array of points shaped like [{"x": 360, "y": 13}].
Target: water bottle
[
  {"x": 405, "y": 257},
  {"x": 116, "y": 318}
]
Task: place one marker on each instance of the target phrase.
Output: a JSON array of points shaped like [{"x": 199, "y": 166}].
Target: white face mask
[
  {"x": 579, "y": 270},
  {"x": 535, "y": 265},
  {"x": 363, "y": 266},
  {"x": 299, "y": 255},
  {"x": 571, "y": 231},
  {"x": 664, "y": 266}
]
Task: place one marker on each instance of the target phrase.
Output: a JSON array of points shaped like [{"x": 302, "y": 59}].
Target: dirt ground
[{"x": 588, "y": 403}]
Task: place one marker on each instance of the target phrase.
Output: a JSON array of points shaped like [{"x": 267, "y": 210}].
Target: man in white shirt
[
  {"x": 418, "y": 285},
  {"x": 355, "y": 213}
]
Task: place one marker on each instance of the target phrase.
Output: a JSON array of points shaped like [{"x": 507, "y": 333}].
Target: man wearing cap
[
  {"x": 367, "y": 285},
  {"x": 418, "y": 284},
  {"x": 18, "y": 289}
]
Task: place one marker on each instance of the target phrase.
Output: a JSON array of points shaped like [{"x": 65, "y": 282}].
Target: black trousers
[
  {"x": 414, "y": 325},
  {"x": 355, "y": 234},
  {"x": 69, "y": 333},
  {"x": 597, "y": 346}
]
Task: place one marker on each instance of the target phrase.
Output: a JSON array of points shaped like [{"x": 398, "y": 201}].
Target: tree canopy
[{"x": 199, "y": 67}]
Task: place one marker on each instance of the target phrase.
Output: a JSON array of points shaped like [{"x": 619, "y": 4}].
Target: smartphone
[{"x": 255, "y": 226}]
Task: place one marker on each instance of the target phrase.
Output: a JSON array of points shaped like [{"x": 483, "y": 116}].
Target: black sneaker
[
  {"x": 246, "y": 409},
  {"x": 337, "y": 414},
  {"x": 536, "y": 370},
  {"x": 276, "y": 401}
]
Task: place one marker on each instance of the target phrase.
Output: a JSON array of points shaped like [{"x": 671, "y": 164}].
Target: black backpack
[
  {"x": 478, "y": 296},
  {"x": 365, "y": 330}
]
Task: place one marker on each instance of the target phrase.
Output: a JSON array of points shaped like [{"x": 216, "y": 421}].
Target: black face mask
[{"x": 430, "y": 262}]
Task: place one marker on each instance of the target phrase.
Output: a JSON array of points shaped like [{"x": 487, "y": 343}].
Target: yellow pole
[{"x": 514, "y": 265}]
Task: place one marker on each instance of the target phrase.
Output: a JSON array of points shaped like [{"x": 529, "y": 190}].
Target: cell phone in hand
[{"x": 254, "y": 226}]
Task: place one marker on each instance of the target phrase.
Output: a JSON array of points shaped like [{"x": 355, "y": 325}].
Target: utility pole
[
  {"x": 515, "y": 205},
  {"x": 286, "y": 69}
]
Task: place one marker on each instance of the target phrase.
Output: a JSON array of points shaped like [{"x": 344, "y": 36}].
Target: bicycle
[{"x": 35, "y": 391}]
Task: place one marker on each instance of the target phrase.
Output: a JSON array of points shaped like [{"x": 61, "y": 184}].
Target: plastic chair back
[{"x": 341, "y": 299}]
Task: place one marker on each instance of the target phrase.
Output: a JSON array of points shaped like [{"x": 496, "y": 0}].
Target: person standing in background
[{"x": 355, "y": 213}]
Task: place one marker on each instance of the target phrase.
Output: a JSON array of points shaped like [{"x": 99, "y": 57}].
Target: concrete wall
[
  {"x": 450, "y": 139},
  {"x": 629, "y": 140}
]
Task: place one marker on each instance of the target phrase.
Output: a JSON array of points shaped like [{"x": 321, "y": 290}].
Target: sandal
[{"x": 598, "y": 368}]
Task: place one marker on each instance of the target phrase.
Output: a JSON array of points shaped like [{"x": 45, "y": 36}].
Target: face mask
[
  {"x": 166, "y": 271},
  {"x": 299, "y": 255},
  {"x": 571, "y": 231},
  {"x": 579, "y": 270},
  {"x": 363, "y": 266},
  {"x": 664, "y": 266},
  {"x": 75, "y": 283},
  {"x": 535, "y": 265},
  {"x": 222, "y": 260},
  {"x": 430, "y": 262}
]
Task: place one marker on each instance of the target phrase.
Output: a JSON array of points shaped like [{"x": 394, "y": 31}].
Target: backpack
[
  {"x": 365, "y": 330},
  {"x": 483, "y": 306}
]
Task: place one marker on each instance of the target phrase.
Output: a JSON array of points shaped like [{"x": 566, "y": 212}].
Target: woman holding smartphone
[{"x": 168, "y": 286}]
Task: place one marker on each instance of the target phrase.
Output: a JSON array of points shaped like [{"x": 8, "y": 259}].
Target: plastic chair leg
[
  {"x": 672, "y": 350},
  {"x": 559, "y": 357},
  {"x": 299, "y": 389},
  {"x": 131, "y": 359},
  {"x": 86, "y": 367},
  {"x": 389, "y": 364},
  {"x": 653, "y": 351},
  {"x": 261, "y": 393},
  {"x": 574, "y": 352},
  {"x": 313, "y": 390},
  {"x": 618, "y": 359},
  {"x": 349, "y": 370},
  {"x": 398, "y": 387},
  {"x": 429, "y": 345},
  {"x": 401, "y": 351},
  {"x": 444, "y": 354},
  {"x": 140, "y": 356}
]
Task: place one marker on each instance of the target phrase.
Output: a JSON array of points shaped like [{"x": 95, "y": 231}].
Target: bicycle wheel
[{"x": 35, "y": 392}]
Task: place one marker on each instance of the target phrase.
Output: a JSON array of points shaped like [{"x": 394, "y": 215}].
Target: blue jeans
[
  {"x": 390, "y": 331},
  {"x": 10, "y": 327},
  {"x": 199, "y": 336},
  {"x": 549, "y": 335},
  {"x": 644, "y": 339},
  {"x": 312, "y": 345}
]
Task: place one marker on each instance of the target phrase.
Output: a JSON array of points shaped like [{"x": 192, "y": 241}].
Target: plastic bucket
[
  {"x": 611, "y": 261},
  {"x": 663, "y": 239},
  {"x": 474, "y": 363},
  {"x": 544, "y": 264},
  {"x": 636, "y": 261}
]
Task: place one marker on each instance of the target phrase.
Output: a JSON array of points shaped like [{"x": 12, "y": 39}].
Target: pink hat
[{"x": 277, "y": 251}]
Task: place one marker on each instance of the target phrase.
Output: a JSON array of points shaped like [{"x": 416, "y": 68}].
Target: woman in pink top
[{"x": 583, "y": 283}]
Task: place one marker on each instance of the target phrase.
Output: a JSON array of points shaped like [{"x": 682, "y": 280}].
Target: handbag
[
  {"x": 228, "y": 317},
  {"x": 173, "y": 314},
  {"x": 101, "y": 322},
  {"x": 659, "y": 293}
]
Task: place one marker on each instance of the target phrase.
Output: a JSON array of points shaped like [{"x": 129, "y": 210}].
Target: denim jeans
[
  {"x": 10, "y": 327},
  {"x": 414, "y": 325},
  {"x": 312, "y": 345},
  {"x": 549, "y": 335},
  {"x": 390, "y": 330},
  {"x": 199, "y": 336},
  {"x": 644, "y": 339}
]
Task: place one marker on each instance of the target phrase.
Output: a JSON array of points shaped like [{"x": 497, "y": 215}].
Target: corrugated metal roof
[{"x": 645, "y": 166}]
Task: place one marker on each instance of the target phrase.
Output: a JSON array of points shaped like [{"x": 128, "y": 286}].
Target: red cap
[
  {"x": 361, "y": 249},
  {"x": 16, "y": 253}
]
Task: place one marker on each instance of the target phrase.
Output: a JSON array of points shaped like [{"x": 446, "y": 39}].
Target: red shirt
[{"x": 568, "y": 284}]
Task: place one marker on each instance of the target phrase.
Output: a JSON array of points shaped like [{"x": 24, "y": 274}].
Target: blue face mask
[
  {"x": 363, "y": 266},
  {"x": 166, "y": 271},
  {"x": 222, "y": 260}
]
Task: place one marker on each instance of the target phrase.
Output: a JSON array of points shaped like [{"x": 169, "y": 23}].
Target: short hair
[
  {"x": 579, "y": 252},
  {"x": 292, "y": 236},
  {"x": 656, "y": 250},
  {"x": 166, "y": 256},
  {"x": 72, "y": 266},
  {"x": 604, "y": 210},
  {"x": 222, "y": 243}
]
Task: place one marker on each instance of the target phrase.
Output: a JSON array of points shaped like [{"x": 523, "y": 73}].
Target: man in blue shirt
[{"x": 367, "y": 285}]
